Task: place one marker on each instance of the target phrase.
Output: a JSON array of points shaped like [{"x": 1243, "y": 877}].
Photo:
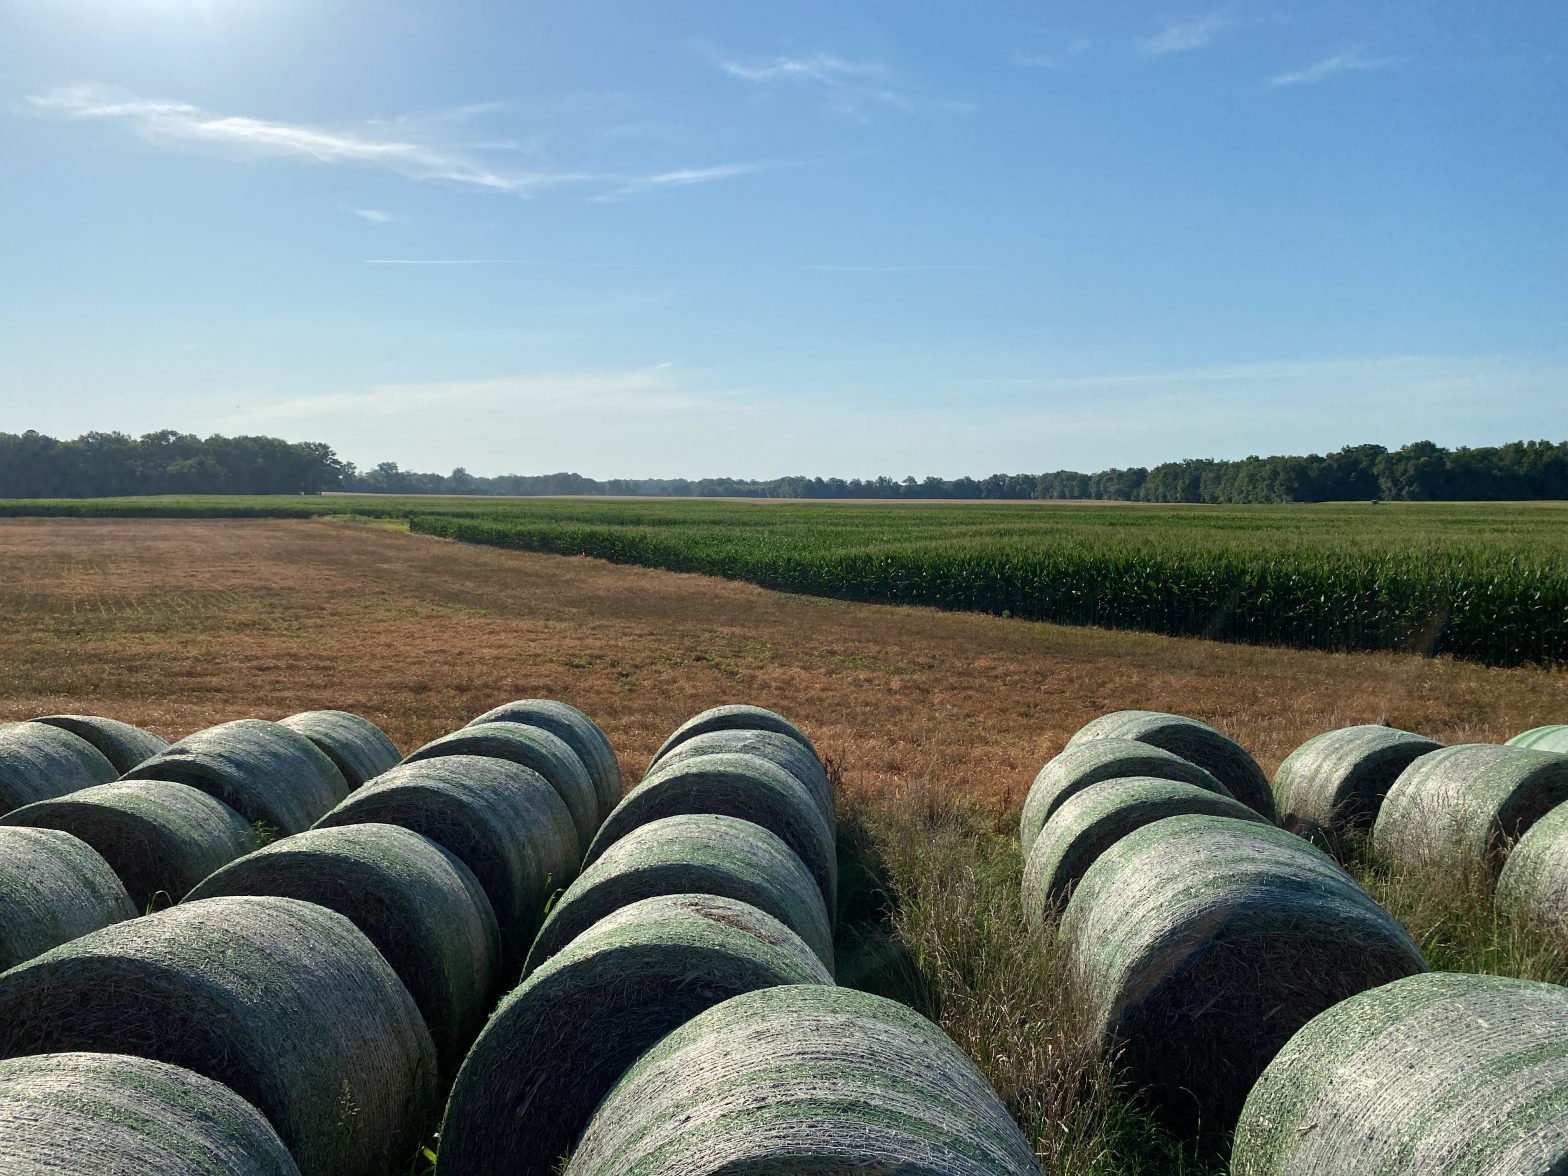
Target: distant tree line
[{"x": 98, "y": 465}]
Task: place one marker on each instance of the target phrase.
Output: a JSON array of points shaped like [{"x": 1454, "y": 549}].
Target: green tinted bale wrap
[
  {"x": 1552, "y": 738},
  {"x": 264, "y": 771},
  {"x": 804, "y": 1079},
  {"x": 161, "y": 838},
  {"x": 40, "y": 762},
  {"x": 359, "y": 749},
  {"x": 1335, "y": 782},
  {"x": 578, "y": 731},
  {"x": 1533, "y": 886},
  {"x": 732, "y": 717},
  {"x": 284, "y": 1002},
  {"x": 115, "y": 1115},
  {"x": 501, "y": 820},
  {"x": 1205, "y": 942},
  {"x": 1088, "y": 824},
  {"x": 535, "y": 748},
  {"x": 1465, "y": 805},
  {"x": 794, "y": 757},
  {"x": 1083, "y": 764},
  {"x": 741, "y": 786},
  {"x": 53, "y": 888},
  {"x": 563, "y": 1037},
  {"x": 123, "y": 745},
  {"x": 1222, "y": 757},
  {"x": 1442, "y": 1073},
  {"x": 420, "y": 906},
  {"x": 698, "y": 853}
]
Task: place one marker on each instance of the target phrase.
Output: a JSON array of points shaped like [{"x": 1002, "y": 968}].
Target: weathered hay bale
[
  {"x": 1552, "y": 738},
  {"x": 732, "y": 717},
  {"x": 264, "y": 771},
  {"x": 1464, "y": 806},
  {"x": 564, "y": 1035},
  {"x": 158, "y": 836},
  {"x": 804, "y": 1079},
  {"x": 1436, "y": 1073},
  {"x": 39, "y": 762},
  {"x": 356, "y": 746},
  {"x": 284, "y": 1002},
  {"x": 123, "y": 745},
  {"x": 1533, "y": 885},
  {"x": 422, "y": 908},
  {"x": 731, "y": 785},
  {"x": 535, "y": 748},
  {"x": 1082, "y": 764},
  {"x": 53, "y": 888},
  {"x": 1088, "y": 824},
  {"x": 697, "y": 853},
  {"x": 1205, "y": 942},
  {"x": 1197, "y": 743},
  {"x": 116, "y": 1115},
  {"x": 1334, "y": 783},
  {"x": 501, "y": 820},
  {"x": 795, "y": 758},
  {"x": 578, "y": 731}
]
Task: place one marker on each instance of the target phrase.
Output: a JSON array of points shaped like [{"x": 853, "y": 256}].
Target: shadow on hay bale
[
  {"x": 267, "y": 773},
  {"x": 284, "y": 1002},
  {"x": 161, "y": 838},
  {"x": 577, "y": 731},
  {"x": 1533, "y": 886},
  {"x": 41, "y": 762},
  {"x": 731, "y": 785},
  {"x": 1092, "y": 821},
  {"x": 1198, "y": 743},
  {"x": 1437, "y": 1073},
  {"x": 1094, "y": 760},
  {"x": 1553, "y": 738},
  {"x": 121, "y": 744},
  {"x": 697, "y": 853},
  {"x": 534, "y": 748},
  {"x": 804, "y": 1079},
  {"x": 567, "y": 1033},
  {"x": 501, "y": 820},
  {"x": 53, "y": 888},
  {"x": 1204, "y": 942},
  {"x": 1334, "y": 783},
  {"x": 732, "y": 717},
  {"x": 420, "y": 906},
  {"x": 796, "y": 759},
  {"x": 356, "y": 746},
  {"x": 116, "y": 1115}
]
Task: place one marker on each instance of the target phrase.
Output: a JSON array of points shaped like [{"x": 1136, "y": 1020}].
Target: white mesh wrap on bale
[
  {"x": 40, "y": 762},
  {"x": 732, "y": 717},
  {"x": 1334, "y": 783},
  {"x": 1222, "y": 757},
  {"x": 360, "y": 749},
  {"x": 794, "y": 757},
  {"x": 53, "y": 888},
  {"x": 123, "y": 745},
  {"x": 1550, "y": 738},
  {"x": 578, "y": 731}
]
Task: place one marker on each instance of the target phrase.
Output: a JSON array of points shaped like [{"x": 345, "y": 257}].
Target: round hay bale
[
  {"x": 1097, "y": 818},
  {"x": 356, "y": 746},
  {"x": 53, "y": 888},
  {"x": 284, "y": 1002},
  {"x": 741, "y": 786},
  {"x": 116, "y": 1115},
  {"x": 1436, "y": 1073},
  {"x": 578, "y": 731},
  {"x": 1197, "y": 743},
  {"x": 697, "y": 853},
  {"x": 795, "y": 758},
  {"x": 804, "y": 1079},
  {"x": 1334, "y": 783},
  {"x": 123, "y": 745},
  {"x": 1533, "y": 885},
  {"x": 501, "y": 820},
  {"x": 1205, "y": 942},
  {"x": 39, "y": 762},
  {"x": 161, "y": 838},
  {"x": 1552, "y": 738},
  {"x": 420, "y": 906},
  {"x": 561, "y": 1038},
  {"x": 732, "y": 717},
  {"x": 264, "y": 771},
  {"x": 535, "y": 748},
  {"x": 1082, "y": 764},
  {"x": 1465, "y": 805}
]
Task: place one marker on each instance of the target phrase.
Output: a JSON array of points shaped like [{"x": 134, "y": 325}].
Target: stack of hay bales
[
  {"x": 1549, "y": 738},
  {"x": 577, "y": 730},
  {"x": 360, "y": 749},
  {"x": 39, "y": 761},
  {"x": 1333, "y": 785},
  {"x": 121, "y": 744},
  {"x": 1435, "y": 1073},
  {"x": 53, "y": 888}
]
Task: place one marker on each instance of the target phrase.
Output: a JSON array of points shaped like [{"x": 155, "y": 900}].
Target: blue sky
[{"x": 840, "y": 238}]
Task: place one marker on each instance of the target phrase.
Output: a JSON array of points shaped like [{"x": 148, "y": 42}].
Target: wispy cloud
[
  {"x": 850, "y": 88},
  {"x": 896, "y": 269},
  {"x": 687, "y": 177},
  {"x": 1347, "y": 61},
  {"x": 1185, "y": 35},
  {"x": 375, "y": 216}
]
